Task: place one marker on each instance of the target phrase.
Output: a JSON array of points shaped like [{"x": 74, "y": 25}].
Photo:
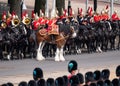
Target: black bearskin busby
[
  {"x": 118, "y": 71},
  {"x": 50, "y": 82},
  {"x": 37, "y": 73},
  {"x": 97, "y": 75},
  {"x": 105, "y": 74},
  {"x": 81, "y": 78},
  {"x": 72, "y": 65}
]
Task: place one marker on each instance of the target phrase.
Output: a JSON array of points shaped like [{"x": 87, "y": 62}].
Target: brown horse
[{"x": 60, "y": 38}]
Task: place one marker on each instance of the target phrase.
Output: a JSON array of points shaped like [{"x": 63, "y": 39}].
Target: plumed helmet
[
  {"x": 37, "y": 73},
  {"x": 97, "y": 75},
  {"x": 105, "y": 74},
  {"x": 118, "y": 71},
  {"x": 72, "y": 65}
]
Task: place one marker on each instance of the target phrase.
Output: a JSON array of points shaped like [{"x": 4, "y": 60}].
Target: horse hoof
[
  {"x": 62, "y": 60},
  {"x": 57, "y": 60}
]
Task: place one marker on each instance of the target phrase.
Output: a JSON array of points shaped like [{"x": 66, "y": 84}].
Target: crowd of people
[{"x": 96, "y": 78}]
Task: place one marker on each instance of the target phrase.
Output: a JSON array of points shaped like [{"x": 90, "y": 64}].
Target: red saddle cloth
[
  {"x": 53, "y": 30},
  {"x": 43, "y": 31}
]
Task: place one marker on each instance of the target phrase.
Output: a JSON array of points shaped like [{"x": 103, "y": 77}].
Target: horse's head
[{"x": 73, "y": 31}]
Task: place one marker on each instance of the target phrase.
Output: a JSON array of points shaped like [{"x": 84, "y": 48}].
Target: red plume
[{"x": 106, "y": 7}]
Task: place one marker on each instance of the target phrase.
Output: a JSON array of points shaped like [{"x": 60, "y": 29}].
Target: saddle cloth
[{"x": 51, "y": 30}]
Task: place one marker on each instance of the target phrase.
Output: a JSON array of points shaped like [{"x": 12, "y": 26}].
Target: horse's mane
[{"x": 64, "y": 28}]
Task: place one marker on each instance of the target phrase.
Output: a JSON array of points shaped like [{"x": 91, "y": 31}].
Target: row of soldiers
[
  {"x": 96, "y": 78},
  {"x": 42, "y": 20}
]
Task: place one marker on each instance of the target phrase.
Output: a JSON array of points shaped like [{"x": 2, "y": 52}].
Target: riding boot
[{"x": 52, "y": 38}]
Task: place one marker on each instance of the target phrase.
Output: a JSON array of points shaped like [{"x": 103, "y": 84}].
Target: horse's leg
[
  {"x": 61, "y": 54},
  {"x": 1, "y": 50},
  {"x": 39, "y": 51},
  {"x": 8, "y": 45},
  {"x": 57, "y": 54}
]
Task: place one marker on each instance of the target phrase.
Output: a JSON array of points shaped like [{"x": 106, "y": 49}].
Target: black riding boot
[{"x": 52, "y": 38}]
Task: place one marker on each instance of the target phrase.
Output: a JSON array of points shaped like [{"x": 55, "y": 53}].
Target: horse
[
  {"x": 2, "y": 24},
  {"x": 113, "y": 34},
  {"x": 42, "y": 36}
]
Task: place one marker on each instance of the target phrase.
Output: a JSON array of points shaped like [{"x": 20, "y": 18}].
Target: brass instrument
[
  {"x": 26, "y": 21},
  {"x": 3, "y": 25},
  {"x": 15, "y": 22}
]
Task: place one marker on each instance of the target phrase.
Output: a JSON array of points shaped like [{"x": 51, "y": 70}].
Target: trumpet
[
  {"x": 15, "y": 22},
  {"x": 26, "y": 21}
]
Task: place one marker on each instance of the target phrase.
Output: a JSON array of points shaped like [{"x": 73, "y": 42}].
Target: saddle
[{"x": 52, "y": 30}]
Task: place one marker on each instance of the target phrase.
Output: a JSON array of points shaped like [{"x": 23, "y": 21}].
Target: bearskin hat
[
  {"x": 50, "y": 82},
  {"x": 23, "y": 83},
  {"x": 97, "y": 75},
  {"x": 81, "y": 78},
  {"x": 72, "y": 65},
  {"x": 116, "y": 82},
  {"x": 118, "y": 71},
  {"x": 37, "y": 73},
  {"x": 74, "y": 80},
  {"x": 59, "y": 81},
  {"x": 105, "y": 74},
  {"x": 32, "y": 83},
  {"x": 41, "y": 82},
  {"x": 89, "y": 76}
]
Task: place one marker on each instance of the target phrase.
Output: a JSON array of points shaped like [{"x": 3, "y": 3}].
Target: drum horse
[{"x": 60, "y": 32}]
